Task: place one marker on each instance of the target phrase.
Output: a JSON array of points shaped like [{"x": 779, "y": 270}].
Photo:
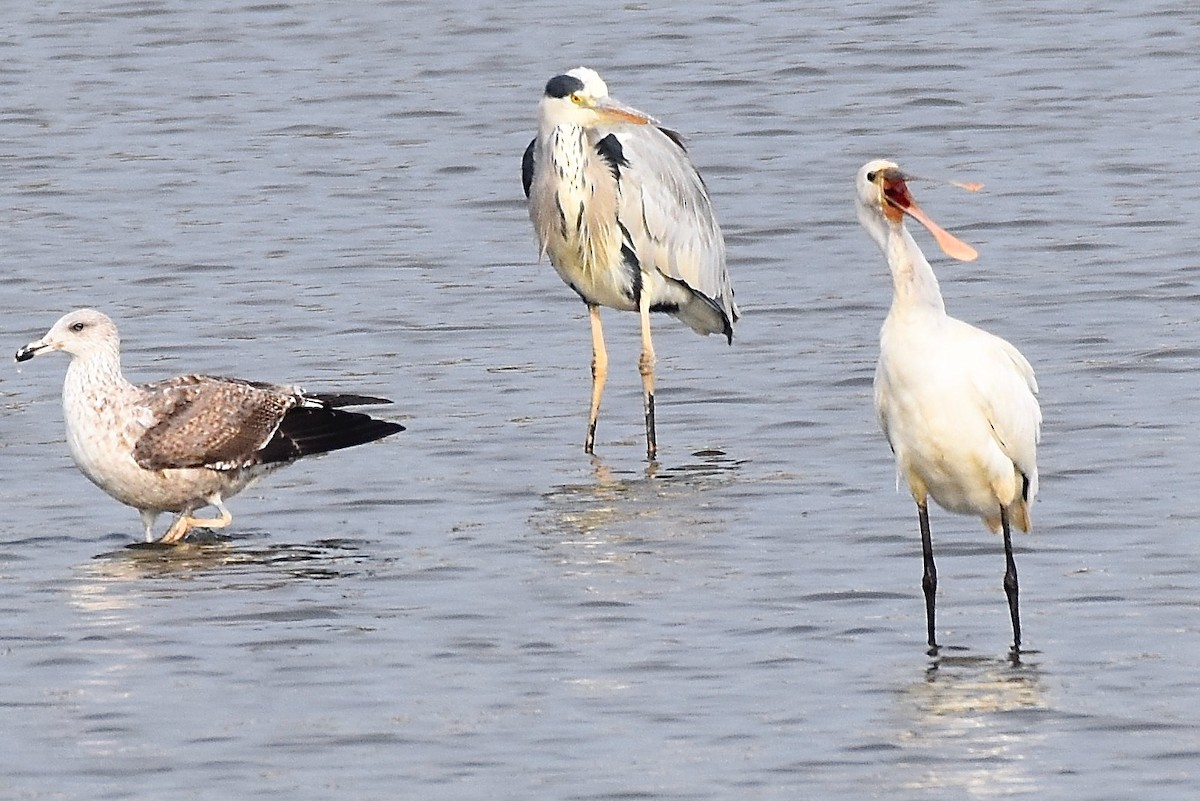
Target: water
[{"x": 329, "y": 194}]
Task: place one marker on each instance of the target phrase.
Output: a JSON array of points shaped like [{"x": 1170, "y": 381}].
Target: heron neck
[
  {"x": 914, "y": 286},
  {"x": 568, "y": 150}
]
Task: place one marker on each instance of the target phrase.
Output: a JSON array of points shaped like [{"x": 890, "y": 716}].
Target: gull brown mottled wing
[{"x": 203, "y": 421}]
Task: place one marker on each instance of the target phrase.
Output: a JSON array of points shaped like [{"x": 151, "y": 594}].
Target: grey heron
[
  {"x": 958, "y": 405},
  {"x": 626, "y": 221},
  {"x": 190, "y": 441}
]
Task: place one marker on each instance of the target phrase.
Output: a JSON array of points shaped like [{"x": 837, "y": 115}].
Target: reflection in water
[
  {"x": 105, "y": 581},
  {"x": 967, "y": 726},
  {"x": 600, "y": 520},
  {"x": 132, "y": 632}
]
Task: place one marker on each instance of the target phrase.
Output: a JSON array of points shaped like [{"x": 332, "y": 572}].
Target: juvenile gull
[{"x": 190, "y": 441}]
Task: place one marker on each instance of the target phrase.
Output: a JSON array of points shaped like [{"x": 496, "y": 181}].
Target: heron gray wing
[
  {"x": 202, "y": 421},
  {"x": 665, "y": 207}
]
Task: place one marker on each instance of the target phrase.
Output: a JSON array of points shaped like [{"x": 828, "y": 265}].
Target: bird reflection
[
  {"x": 964, "y": 722},
  {"x": 621, "y": 513},
  {"x": 220, "y": 561}
]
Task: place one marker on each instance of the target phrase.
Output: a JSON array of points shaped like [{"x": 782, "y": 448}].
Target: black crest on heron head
[{"x": 563, "y": 85}]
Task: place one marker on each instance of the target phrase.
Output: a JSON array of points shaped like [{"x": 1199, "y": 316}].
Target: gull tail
[
  {"x": 309, "y": 430},
  {"x": 342, "y": 400}
]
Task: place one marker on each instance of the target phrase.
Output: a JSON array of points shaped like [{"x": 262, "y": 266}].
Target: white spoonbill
[
  {"x": 626, "y": 221},
  {"x": 958, "y": 405}
]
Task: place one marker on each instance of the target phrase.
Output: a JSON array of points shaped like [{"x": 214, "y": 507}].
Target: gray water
[{"x": 329, "y": 194}]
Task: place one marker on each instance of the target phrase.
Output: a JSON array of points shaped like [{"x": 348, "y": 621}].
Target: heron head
[
  {"x": 883, "y": 188},
  {"x": 580, "y": 97}
]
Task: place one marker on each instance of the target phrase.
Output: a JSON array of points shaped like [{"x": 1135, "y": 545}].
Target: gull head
[{"x": 80, "y": 333}]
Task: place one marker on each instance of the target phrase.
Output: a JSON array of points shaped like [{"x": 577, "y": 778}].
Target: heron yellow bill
[{"x": 614, "y": 111}]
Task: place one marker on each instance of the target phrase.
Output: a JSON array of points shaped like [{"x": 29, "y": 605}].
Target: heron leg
[
  {"x": 646, "y": 368},
  {"x": 599, "y": 374},
  {"x": 929, "y": 579},
  {"x": 185, "y": 522},
  {"x": 1010, "y": 581}
]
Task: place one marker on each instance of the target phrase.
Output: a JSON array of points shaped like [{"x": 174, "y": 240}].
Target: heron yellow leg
[
  {"x": 599, "y": 374},
  {"x": 185, "y": 523},
  {"x": 646, "y": 368}
]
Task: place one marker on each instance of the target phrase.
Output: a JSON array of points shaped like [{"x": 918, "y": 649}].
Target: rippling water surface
[{"x": 329, "y": 194}]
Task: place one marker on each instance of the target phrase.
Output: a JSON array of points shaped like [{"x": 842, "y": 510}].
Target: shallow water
[{"x": 329, "y": 194}]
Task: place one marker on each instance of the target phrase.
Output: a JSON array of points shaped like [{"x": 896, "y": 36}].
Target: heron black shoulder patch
[
  {"x": 563, "y": 85},
  {"x": 527, "y": 167},
  {"x": 613, "y": 154}
]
